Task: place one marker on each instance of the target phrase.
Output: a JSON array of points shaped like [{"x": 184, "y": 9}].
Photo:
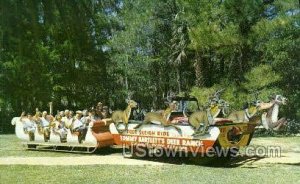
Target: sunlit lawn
[
  {"x": 10, "y": 145},
  {"x": 178, "y": 173},
  {"x": 145, "y": 174}
]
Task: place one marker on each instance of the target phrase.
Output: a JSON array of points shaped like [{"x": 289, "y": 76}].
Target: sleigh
[
  {"x": 97, "y": 136},
  {"x": 221, "y": 134}
]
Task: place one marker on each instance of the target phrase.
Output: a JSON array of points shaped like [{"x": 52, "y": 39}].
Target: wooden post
[{"x": 51, "y": 108}]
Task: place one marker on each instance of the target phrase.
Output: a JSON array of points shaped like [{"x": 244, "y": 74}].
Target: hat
[
  {"x": 58, "y": 117},
  {"x": 84, "y": 112},
  {"x": 78, "y": 112}
]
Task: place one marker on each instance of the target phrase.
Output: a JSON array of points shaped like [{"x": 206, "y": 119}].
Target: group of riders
[
  {"x": 77, "y": 122},
  {"x": 63, "y": 121}
]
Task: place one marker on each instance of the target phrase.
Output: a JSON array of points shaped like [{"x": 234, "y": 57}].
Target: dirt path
[
  {"x": 80, "y": 160},
  {"x": 290, "y": 152},
  {"x": 286, "y": 158}
]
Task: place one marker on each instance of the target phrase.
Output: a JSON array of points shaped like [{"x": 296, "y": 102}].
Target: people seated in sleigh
[
  {"x": 59, "y": 128},
  {"x": 29, "y": 125},
  {"x": 78, "y": 127}
]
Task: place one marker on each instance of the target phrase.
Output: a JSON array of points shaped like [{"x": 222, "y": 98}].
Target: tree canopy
[{"x": 75, "y": 53}]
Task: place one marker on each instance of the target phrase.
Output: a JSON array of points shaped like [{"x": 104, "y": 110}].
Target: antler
[
  {"x": 272, "y": 96},
  {"x": 170, "y": 94},
  {"x": 129, "y": 95},
  {"x": 256, "y": 93},
  {"x": 216, "y": 95}
]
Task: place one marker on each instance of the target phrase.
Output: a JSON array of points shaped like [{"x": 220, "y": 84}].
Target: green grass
[
  {"x": 287, "y": 144},
  {"x": 145, "y": 174},
  {"x": 180, "y": 172},
  {"x": 10, "y": 145}
]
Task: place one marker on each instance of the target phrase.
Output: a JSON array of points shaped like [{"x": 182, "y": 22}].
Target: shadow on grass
[
  {"x": 222, "y": 162},
  {"x": 225, "y": 162},
  {"x": 292, "y": 164},
  {"x": 77, "y": 151}
]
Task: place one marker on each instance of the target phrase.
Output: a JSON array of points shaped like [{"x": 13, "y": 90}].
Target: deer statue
[
  {"x": 123, "y": 116},
  {"x": 160, "y": 118},
  {"x": 270, "y": 119},
  {"x": 250, "y": 111},
  {"x": 200, "y": 120},
  {"x": 245, "y": 115}
]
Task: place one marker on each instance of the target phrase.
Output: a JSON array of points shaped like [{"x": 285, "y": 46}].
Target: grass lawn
[
  {"x": 177, "y": 173},
  {"x": 10, "y": 145},
  {"x": 145, "y": 174}
]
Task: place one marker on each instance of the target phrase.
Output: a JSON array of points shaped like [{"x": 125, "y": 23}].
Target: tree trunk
[
  {"x": 198, "y": 66},
  {"x": 178, "y": 79}
]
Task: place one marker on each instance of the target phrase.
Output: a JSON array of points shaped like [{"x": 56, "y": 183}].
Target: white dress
[
  {"x": 77, "y": 123},
  {"x": 45, "y": 122},
  {"x": 29, "y": 125}
]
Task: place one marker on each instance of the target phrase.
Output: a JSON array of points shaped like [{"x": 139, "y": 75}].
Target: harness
[{"x": 247, "y": 115}]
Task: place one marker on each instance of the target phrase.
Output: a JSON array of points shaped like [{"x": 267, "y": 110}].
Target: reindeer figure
[
  {"x": 245, "y": 115},
  {"x": 200, "y": 120},
  {"x": 270, "y": 119},
  {"x": 123, "y": 116},
  {"x": 250, "y": 112},
  {"x": 160, "y": 118}
]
